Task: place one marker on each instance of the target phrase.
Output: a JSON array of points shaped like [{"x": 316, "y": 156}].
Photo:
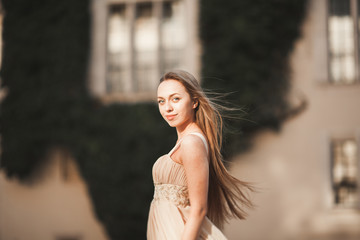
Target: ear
[{"x": 196, "y": 103}]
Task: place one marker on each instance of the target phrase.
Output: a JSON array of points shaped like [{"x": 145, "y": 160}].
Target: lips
[{"x": 170, "y": 116}]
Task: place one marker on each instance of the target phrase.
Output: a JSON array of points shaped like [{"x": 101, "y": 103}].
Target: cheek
[
  {"x": 186, "y": 109},
  {"x": 160, "y": 110}
]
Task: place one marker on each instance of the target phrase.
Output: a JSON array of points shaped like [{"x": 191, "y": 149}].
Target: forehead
[{"x": 169, "y": 87}]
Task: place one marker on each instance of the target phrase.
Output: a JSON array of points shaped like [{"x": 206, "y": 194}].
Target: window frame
[
  {"x": 354, "y": 14},
  {"x": 332, "y": 160},
  {"x": 98, "y": 56}
]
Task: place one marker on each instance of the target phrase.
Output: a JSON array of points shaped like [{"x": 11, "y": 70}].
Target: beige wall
[
  {"x": 51, "y": 207},
  {"x": 292, "y": 168}
]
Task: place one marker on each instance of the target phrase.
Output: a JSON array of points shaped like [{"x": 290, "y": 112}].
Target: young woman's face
[{"x": 175, "y": 103}]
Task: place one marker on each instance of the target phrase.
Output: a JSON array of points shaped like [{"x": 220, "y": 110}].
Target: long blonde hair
[{"x": 227, "y": 195}]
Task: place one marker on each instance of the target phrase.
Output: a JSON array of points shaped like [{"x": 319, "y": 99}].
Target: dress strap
[
  {"x": 194, "y": 133},
  {"x": 174, "y": 148},
  {"x": 203, "y": 139}
]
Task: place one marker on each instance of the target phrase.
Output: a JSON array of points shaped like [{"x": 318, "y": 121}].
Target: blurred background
[{"x": 80, "y": 129}]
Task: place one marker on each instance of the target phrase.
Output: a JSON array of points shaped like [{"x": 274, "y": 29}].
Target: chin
[{"x": 171, "y": 124}]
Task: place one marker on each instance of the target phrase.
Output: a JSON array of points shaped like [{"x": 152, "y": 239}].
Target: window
[
  {"x": 143, "y": 39},
  {"x": 343, "y": 37},
  {"x": 345, "y": 172}
]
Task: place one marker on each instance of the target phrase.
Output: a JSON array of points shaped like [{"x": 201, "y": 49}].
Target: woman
[{"x": 194, "y": 193}]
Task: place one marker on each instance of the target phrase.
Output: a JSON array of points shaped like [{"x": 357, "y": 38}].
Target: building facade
[{"x": 308, "y": 175}]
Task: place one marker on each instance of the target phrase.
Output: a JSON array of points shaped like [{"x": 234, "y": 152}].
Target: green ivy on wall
[
  {"x": 44, "y": 68},
  {"x": 246, "y": 48},
  {"x": 246, "y": 45}
]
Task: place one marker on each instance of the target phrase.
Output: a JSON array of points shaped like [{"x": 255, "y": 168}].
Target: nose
[{"x": 168, "y": 106}]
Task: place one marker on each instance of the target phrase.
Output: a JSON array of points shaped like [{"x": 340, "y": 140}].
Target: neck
[{"x": 186, "y": 128}]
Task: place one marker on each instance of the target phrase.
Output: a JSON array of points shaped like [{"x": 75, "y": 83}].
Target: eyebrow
[{"x": 170, "y": 95}]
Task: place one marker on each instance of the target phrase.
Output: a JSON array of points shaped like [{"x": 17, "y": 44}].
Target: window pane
[
  {"x": 118, "y": 77},
  {"x": 144, "y": 40},
  {"x": 173, "y": 34},
  {"x": 341, "y": 42},
  {"x": 146, "y": 46},
  {"x": 345, "y": 172}
]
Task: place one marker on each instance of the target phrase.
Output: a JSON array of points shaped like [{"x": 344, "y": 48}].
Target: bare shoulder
[
  {"x": 193, "y": 149},
  {"x": 192, "y": 141}
]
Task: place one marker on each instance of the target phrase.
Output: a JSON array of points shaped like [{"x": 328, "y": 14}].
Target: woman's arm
[{"x": 194, "y": 158}]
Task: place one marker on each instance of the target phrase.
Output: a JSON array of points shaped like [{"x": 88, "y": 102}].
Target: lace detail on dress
[{"x": 176, "y": 194}]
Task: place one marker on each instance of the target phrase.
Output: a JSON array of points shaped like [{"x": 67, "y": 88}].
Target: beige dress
[{"x": 170, "y": 208}]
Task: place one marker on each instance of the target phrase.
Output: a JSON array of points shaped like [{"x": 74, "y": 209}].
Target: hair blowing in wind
[{"x": 227, "y": 195}]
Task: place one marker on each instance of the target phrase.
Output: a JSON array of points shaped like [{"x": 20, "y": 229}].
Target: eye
[
  {"x": 161, "y": 101},
  {"x": 176, "y": 99}
]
